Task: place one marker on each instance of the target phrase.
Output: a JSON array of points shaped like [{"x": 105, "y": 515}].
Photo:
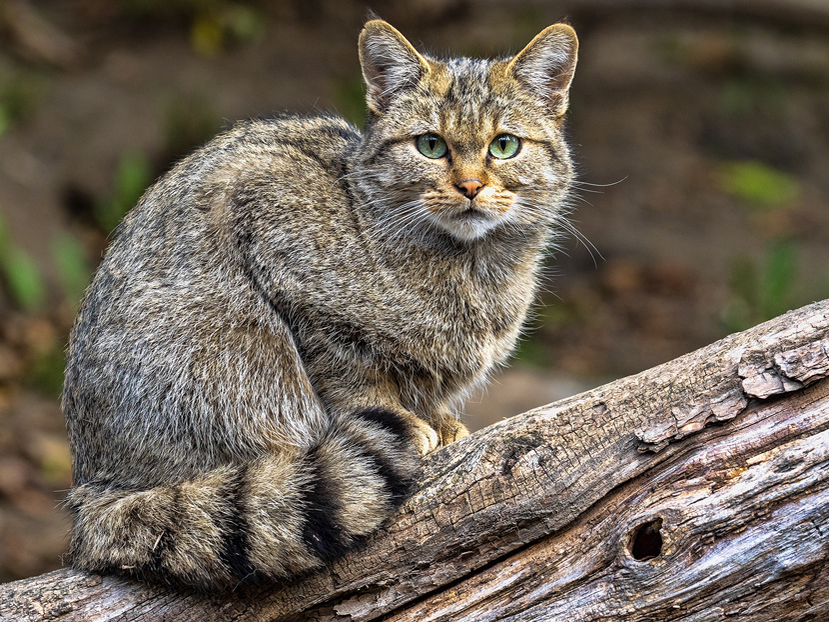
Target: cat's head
[{"x": 461, "y": 146}]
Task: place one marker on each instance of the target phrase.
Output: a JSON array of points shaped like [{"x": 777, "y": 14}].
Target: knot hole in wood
[{"x": 645, "y": 541}]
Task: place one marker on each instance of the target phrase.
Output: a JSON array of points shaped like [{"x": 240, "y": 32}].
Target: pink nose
[{"x": 469, "y": 187}]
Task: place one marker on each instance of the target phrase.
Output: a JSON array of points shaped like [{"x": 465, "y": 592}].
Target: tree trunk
[{"x": 697, "y": 490}]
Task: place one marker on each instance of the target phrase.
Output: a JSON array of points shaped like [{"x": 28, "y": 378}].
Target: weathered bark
[{"x": 697, "y": 490}]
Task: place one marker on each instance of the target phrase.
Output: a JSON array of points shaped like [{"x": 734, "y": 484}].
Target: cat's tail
[{"x": 277, "y": 517}]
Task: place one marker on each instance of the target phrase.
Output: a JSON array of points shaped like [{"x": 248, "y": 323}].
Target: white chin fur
[{"x": 468, "y": 230}]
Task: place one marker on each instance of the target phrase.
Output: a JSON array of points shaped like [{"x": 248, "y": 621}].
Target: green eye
[
  {"x": 504, "y": 146},
  {"x": 431, "y": 145}
]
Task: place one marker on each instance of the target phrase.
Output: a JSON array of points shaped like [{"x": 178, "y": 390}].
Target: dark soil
[{"x": 703, "y": 207}]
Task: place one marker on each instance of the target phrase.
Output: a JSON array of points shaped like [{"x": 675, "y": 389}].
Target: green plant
[
  {"x": 168, "y": 9},
  {"x": 21, "y": 276},
  {"x": 532, "y": 353},
  {"x": 527, "y": 21},
  {"x": 72, "y": 265},
  {"x": 758, "y": 185},
  {"x": 131, "y": 179},
  {"x": 5, "y": 121},
  {"x": 23, "y": 279},
  {"x": 218, "y": 27},
  {"x": 350, "y": 99},
  {"x": 189, "y": 121},
  {"x": 19, "y": 96},
  {"x": 759, "y": 294},
  {"x": 45, "y": 372},
  {"x": 214, "y": 24},
  {"x": 744, "y": 95}
]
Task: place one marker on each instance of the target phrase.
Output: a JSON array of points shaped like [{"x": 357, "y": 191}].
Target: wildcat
[{"x": 287, "y": 320}]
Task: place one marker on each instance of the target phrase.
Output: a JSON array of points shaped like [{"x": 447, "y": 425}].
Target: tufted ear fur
[
  {"x": 546, "y": 66},
  {"x": 390, "y": 63}
]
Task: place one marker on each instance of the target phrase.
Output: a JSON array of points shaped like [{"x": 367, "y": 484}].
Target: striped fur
[
  {"x": 290, "y": 317},
  {"x": 275, "y": 517}
]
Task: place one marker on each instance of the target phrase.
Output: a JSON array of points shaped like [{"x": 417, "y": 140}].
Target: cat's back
[
  {"x": 174, "y": 292},
  {"x": 294, "y": 166},
  {"x": 279, "y": 155},
  {"x": 178, "y": 259},
  {"x": 286, "y": 148}
]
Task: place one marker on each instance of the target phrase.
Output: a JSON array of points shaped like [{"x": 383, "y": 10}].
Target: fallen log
[{"x": 697, "y": 490}]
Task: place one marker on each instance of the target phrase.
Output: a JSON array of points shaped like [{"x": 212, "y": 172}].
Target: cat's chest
[
  {"x": 456, "y": 333},
  {"x": 451, "y": 316},
  {"x": 385, "y": 308}
]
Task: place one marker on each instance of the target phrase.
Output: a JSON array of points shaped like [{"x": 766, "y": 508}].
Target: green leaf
[
  {"x": 780, "y": 275},
  {"x": 758, "y": 295},
  {"x": 758, "y": 185},
  {"x": 246, "y": 23},
  {"x": 531, "y": 353},
  {"x": 350, "y": 99},
  {"x": 5, "y": 243},
  {"x": 45, "y": 373},
  {"x": 131, "y": 179},
  {"x": 5, "y": 121},
  {"x": 207, "y": 35},
  {"x": 24, "y": 280},
  {"x": 73, "y": 268}
]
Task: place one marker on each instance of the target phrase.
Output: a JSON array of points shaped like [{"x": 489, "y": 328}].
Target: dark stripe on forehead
[
  {"x": 469, "y": 79},
  {"x": 471, "y": 104}
]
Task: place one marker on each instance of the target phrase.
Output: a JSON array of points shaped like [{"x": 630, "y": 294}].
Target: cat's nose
[{"x": 469, "y": 187}]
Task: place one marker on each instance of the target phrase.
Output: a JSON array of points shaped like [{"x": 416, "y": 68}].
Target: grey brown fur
[{"x": 287, "y": 320}]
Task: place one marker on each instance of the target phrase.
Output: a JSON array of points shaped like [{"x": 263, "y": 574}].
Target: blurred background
[{"x": 701, "y": 132}]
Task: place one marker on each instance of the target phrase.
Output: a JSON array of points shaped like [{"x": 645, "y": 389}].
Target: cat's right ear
[
  {"x": 546, "y": 66},
  {"x": 390, "y": 64}
]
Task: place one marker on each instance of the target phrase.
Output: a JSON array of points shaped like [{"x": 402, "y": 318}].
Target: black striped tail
[{"x": 278, "y": 517}]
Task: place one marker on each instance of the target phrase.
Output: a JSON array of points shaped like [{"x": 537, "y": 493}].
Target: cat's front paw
[
  {"x": 451, "y": 430},
  {"x": 423, "y": 436}
]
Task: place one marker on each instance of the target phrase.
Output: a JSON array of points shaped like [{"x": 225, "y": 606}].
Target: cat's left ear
[
  {"x": 390, "y": 63},
  {"x": 546, "y": 66}
]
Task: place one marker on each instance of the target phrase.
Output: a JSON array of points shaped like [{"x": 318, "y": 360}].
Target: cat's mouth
[
  {"x": 468, "y": 220},
  {"x": 470, "y": 223},
  {"x": 472, "y": 213}
]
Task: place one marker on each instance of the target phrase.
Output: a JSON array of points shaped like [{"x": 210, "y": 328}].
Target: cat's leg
[
  {"x": 419, "y": 433},
  {"x": 448, "y": 426},
  {"x": 379, "y": 396},
  {"x": 426, "y": 438}
]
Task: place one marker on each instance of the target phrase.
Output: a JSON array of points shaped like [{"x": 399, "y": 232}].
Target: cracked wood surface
[{"x": 724, "y": 450}]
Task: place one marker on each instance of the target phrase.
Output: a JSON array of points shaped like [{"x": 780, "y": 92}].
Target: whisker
[
  {"x": 560, "y": 221},
  {"x": 578, "y": 182}
]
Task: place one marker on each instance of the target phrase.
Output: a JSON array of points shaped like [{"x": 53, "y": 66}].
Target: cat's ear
[
  {"x": 390, "y": 63},
  {"x": 546, "y": 66}
]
